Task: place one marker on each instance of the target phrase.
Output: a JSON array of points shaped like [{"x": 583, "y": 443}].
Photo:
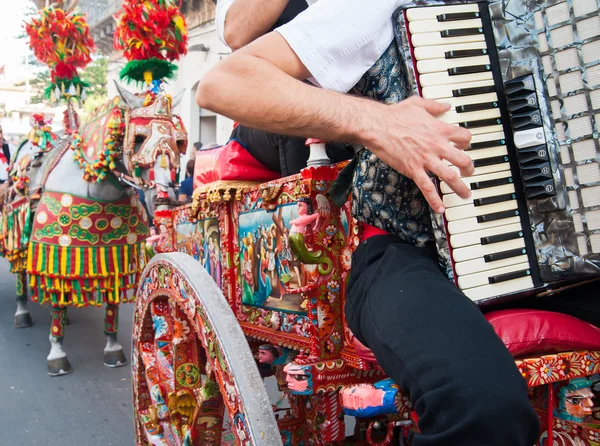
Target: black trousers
[
  {"x": 437, "y": 346},
  {"x": 284, "y": 154}
]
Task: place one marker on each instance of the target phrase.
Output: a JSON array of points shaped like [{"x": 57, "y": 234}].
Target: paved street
[{"x": 89, "y": 407}]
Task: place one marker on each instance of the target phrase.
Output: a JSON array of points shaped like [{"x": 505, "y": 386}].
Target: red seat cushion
[
  {"x": 229, "y": 162},
  {"x": 530, "y": 332}
]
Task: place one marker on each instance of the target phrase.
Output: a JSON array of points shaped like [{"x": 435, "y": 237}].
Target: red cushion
[
  {"x": 229, "y": 162},
  {"x": 530, "y": 332}
]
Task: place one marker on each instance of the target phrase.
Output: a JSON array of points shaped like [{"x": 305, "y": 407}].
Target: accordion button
[
  {"x": 519, "y": 86},
  {"x": 541, "y": 189}
]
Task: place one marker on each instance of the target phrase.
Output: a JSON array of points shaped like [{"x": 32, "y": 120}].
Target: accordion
[{"x": 524, "y": 78}]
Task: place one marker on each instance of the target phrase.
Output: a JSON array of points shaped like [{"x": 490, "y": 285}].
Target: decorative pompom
[
  {"x": 150, "y": 33},
  {"x": 61, "y": 40}
]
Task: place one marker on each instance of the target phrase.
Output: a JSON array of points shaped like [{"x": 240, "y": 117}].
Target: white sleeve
[
  {"x": 339, "y": 40},
  {"x": 220, "y": 14}
]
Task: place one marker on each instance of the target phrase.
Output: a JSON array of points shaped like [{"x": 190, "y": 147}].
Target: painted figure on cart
[
  {"x": 577, "y": 400},
  {"x": 81, "y": 242},
  {"x": 269, "y": 270}
]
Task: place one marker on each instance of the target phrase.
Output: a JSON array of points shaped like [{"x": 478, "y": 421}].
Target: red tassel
[
  {"x": 173, "y": 175},
  {"x": 151, "y": 175}
]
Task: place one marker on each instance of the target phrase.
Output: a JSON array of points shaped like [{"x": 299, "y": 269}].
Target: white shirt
[{"x": 336, "y": 40}]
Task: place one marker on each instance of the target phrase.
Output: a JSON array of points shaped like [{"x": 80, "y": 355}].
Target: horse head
[{"x": 154, "y": 140}]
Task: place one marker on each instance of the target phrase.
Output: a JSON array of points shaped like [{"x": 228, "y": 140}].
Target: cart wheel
[{"x": 192, "y": 366}]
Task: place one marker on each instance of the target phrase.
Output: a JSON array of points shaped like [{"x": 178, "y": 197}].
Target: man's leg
[
  {"x": 284, "y": 154},
  {"x": 434, "y": 342}
]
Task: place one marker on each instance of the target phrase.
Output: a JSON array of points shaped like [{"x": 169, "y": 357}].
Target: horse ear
[
  {"x": 130, "y": 99},
  {"x": 177, "y": 99}
]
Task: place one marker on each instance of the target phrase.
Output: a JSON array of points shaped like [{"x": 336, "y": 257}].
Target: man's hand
[{"x": 408, "y": 137}]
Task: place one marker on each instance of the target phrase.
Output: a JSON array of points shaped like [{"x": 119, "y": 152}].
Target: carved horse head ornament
[{"x": 155, "y": 138}]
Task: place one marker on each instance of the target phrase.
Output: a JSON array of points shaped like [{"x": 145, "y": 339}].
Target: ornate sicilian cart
[
  {"x": 245, "y": 298},
  {"x": 260, "y": 289}
]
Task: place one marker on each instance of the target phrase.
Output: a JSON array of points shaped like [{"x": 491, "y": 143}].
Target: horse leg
[
  {"x": 113, "y": 352},
  {"x": 22, "y": 316},
  {"x": 58, "y": 364}
]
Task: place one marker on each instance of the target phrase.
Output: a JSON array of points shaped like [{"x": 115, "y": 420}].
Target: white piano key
[
  {"x": 487, "y": 137},
  {"x": 475, "y": 178},
  {"x": 470, "y": 210},
  {"x": 436, "y": 65},
  {"x": 475, "y": 251},
  {"x": 432, "y": 39},
  {"x": 484, "y": 130},
  {"x": 482, "y": 170},
  {"x": 453, "y": 200},
  {"x": 429, "y": 26},
  {"x": 443, "y": 78},
  {"x": 499, "y": 289},
  {"x": 453, "y": 117},
  {"x": 483, "y": 153},
  {"x": 445, "y": 91},
  {"x": 431, "y": 12},
  {"x": 471, "y": 224},
  {"x": 482, "y": 278},
  {"x": 474, "y": 237},
  {"x": 439, "y": 52},
  {"x": 468, "y": 100},
  {"x": 478, "y": 265},
  {"x": 530, "y": 138}
]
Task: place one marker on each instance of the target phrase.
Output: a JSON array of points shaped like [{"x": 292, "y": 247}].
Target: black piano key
[
  {"x": 526, "y": 102},
  {"x": 493, "y": 199},
  {"x": 536, "y": 172},
  {"x": 461, "y": 32},
  {"x": 451, "y": 17},
  {"x": 490, "y": 161},
  {"x": 487, "y": 144},
  {"x": 541, "y": 189},
  {"x": 497, "y": 216},
  {"x": 509, "y": 276},
  {"x": 515, "y": 87},
  {"x": 456, "y": 71},
  {"x": 526, "y": 120},
  {"x": 459, "y": 54},
  {"x": 533, "y": 154},
  {"x": 491, "y": 183},
  {"x": 501, "y": 237},
  {"x": 482, "y": 123},
  {"x": 504, "y": 255},
  {"x": 476, "y": 107},
  {"x": 460, "y": 92}
]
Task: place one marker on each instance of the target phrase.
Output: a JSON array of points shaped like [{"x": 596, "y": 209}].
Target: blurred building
[{"x": 204, "y": 50}]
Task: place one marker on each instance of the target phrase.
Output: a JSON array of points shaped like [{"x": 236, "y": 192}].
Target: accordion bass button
[{"x": 529, "y": 138}]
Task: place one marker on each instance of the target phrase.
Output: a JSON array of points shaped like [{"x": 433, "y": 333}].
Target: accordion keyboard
[{"x": 486, "y": 233}]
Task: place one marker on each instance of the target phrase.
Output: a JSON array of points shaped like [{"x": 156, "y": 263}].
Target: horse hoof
[
  {"x": 58, "y": 367},
  {"x": 115, "y": 359},
  {"x": 23, "y": 320}
]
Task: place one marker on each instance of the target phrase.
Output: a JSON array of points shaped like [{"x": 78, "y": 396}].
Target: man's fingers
[
  {"x": 452, "y": 179},
  {"x": 433, "y": 107},
  {"x": 460, "y": 159},
  {"x": 430, "y": 193},
  {"x": 459, "y": 136}
]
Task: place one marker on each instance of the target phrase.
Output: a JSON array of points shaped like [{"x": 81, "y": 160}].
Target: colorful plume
[
  {"x": 152, "y": 34},
  {"x": 61, "y": 40}
]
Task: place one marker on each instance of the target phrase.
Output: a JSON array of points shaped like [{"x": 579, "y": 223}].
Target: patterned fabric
[{"x": 381, "y": 196}]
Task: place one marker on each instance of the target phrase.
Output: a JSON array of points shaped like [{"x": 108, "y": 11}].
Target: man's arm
[
  {"x": 240, "y": 22},
  {"x": 259, "y": 87}
]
